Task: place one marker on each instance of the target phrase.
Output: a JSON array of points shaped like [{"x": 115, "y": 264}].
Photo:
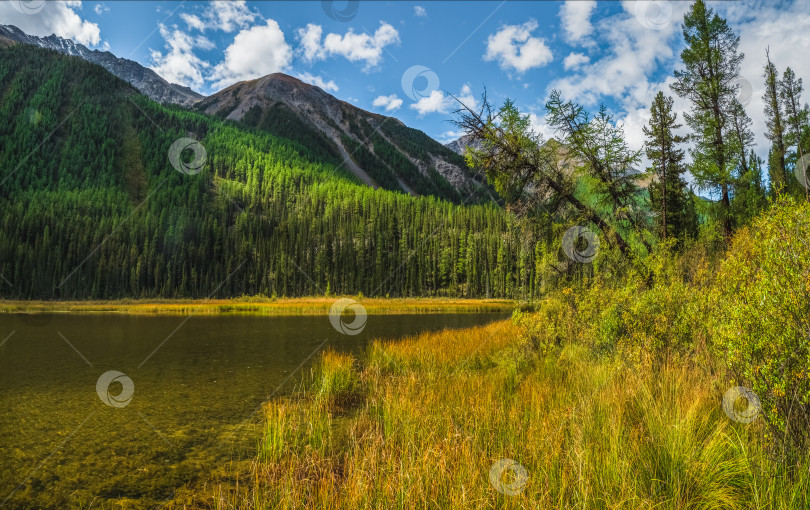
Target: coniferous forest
[{"x": 98, "y": 211}]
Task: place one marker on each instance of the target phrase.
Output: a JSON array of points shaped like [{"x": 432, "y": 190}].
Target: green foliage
[
  {"x": 98, "y": 211},
  {"x": 709, "y": 81},
  {"x": 669, "y": 199},
  {"x": 762, "y": 317},
  {"x": 279, "y": 121}
]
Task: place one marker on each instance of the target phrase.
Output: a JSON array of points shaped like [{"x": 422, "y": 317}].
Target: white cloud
[
  {"x": 540, "y": 126},
  {"x": 449, "y": 136},
  {"x": 352, "y": 46},
  {"x": 390, "y": 103},
  {"x": 630, "y": 54},
  {"x": 255, "y": 52},
  {"x": 467, "y": 98},
  {"x": 193, "y": 21},
  {"x": 439, "y": 102},
  {"x": 226, "y": 16},
  {"x": 435, "y": 102},
  {"x": 101, "y": 9},
  {"x": 516, "y": 49},
  {"x": 329, "y": 86},
  {"x": 179, "y": 64},
  {"x": 58, "y": 18},
  {"x": 420, "y": 11},
  {"x": 309, "y": 42},
  {"x": 576, "y": 19},
  {"x": 574, "y": 60}
]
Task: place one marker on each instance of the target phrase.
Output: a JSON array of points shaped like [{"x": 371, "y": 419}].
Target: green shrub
[{"x": 762, "y": 320}]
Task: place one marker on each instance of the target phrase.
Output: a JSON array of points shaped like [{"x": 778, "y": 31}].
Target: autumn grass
[
  {"x": 422, "y": 421},
  {"x": 259, "y": 305}
]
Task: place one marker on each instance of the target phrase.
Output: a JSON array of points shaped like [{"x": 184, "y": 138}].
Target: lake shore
[
  {"x": 479, "y": 418},
  {"x": 315, "y": 305}
]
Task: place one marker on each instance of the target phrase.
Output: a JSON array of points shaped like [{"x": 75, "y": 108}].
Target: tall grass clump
[{"x": 336, "y": 380}]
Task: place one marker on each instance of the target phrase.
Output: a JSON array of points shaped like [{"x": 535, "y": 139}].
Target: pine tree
[
  {"x": 709, "y": 81},
  {"x": 775, "y": 124},
  {"x": 668, "y": 189}
]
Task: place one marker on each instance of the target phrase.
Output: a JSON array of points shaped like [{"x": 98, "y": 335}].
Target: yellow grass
[
  {"x": 259, "y": 306},
  {"x": 431, "y": 415}
]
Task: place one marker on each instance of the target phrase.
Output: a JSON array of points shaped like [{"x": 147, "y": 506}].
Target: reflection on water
[{"x": 103, "y": 408}]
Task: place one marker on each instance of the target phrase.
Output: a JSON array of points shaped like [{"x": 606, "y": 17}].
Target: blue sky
[{"x": 615, "y": 52}]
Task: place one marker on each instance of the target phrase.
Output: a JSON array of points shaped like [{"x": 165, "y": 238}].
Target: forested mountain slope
[
  {"x": 142, "y": 78},
  {"x": 379, "y": 150},
  {"x": 91, "y": 206}
]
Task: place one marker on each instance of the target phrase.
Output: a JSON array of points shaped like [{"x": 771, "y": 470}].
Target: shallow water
[{"x": 184, "y": 404}]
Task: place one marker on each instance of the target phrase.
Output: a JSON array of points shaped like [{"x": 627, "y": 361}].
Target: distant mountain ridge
[
  {"x": 142, "y": 78},
  {"x": 379, "y": 150}
]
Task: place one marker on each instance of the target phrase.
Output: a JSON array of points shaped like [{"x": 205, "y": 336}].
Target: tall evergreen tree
[
  {"x": 775, "y": 124},
  {"x": 668, "y": 191},
  {"x": 742, "y": 137},
  {"x": 750, "y": 196},
  {"x": 709, "y": 81},
  {"x": 790, "y": 92}
]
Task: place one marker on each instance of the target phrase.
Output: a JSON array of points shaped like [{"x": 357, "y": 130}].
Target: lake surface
[{"x": 183, "y": 404}]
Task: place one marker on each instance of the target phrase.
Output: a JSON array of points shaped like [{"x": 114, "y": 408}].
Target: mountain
[
  {"x": 460, "y": 145},
  {"x": 142, "y": 78},
  {"x": 97, "y": 203},
  {"x": 379, "y": 151}
]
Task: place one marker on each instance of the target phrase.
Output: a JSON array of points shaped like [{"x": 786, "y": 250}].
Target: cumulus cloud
[
  {"x": 631, "y": 53},
  {"x": 309, "y": 42},
  {"x": 352, "y": 46},
  {"x": 467, "y": 98},
  {"x": 225, "y": 16},
  {"x": 329, "y": 86},
  {"x": 439, "y": 102},
  {"x": 435, "y": 102},
  {"x": 574, "y": 60},
  {"x": 419, "y": 11},
  {"x": 58, "y": 18},
  {"x": 575, "y": 16},
  {"x": 101, "y": 9},
  {"x": 449, "y": 136},
  {"x": 254, "y": 52},
  {"x": 515, "y": 49},
  {"x": 179, "y": 64},
  {"x": 390, "y": 103}
]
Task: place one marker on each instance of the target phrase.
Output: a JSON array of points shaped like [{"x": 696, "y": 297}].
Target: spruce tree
[
  {"x": 668, "y": 189},
  {"x": 774, "y": 122},
  {"x": 796, "y": 116}
]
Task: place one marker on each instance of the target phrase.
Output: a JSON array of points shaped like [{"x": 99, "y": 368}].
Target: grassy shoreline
[
  {"x": 426, "y": 421},
  {"x": 316, "y": 305}
]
